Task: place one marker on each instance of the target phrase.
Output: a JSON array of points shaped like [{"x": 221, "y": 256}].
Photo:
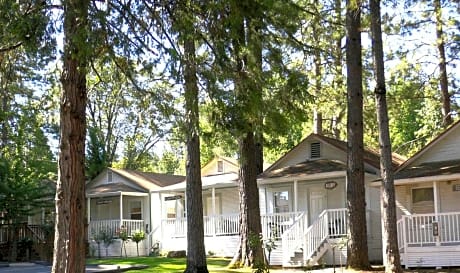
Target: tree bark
[
  {"x": 443, "y": 81},
  {"x": 70, "y": 233},
  {"x": 357, "y": 257},
  {"x": 392, "y": 260},
  {"x": 250, "y": 252},
  {"x": 196, "y": 255}
]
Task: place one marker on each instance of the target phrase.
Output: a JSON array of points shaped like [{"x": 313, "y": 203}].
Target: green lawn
[{"x": 162, "y": 264}]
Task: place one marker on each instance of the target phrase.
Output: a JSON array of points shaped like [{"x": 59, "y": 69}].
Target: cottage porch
[
  {"x": 297, "y": 243},
  {"x": 429, "y": 240}
]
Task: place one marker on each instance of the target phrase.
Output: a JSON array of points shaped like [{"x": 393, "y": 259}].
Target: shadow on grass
[{"x": 162, "y": 264}]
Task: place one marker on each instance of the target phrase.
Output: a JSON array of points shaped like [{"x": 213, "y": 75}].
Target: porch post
[
  {"x": 121, "y": 208},
  {"x": 435, "y": 193},
  {"x": 295, "y": 196},
  {"x": 212, "y": 221},
  {"x": 88, "y": 214},
  {"x": 436, "y": 207},
  {"x": 213, "y": 197}
]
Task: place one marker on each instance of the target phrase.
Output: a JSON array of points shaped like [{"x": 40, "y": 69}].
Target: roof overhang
[
  {"x": 303, "y": 177},
  {"x": 422, "y": 179},
  {"x": 117, "y": 193}
]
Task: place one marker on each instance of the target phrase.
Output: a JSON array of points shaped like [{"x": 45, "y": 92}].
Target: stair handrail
[
  {"x": 33, "y": 230},
  {"x": 315, "y": 235},
  {"x": 290, "y": 237}
]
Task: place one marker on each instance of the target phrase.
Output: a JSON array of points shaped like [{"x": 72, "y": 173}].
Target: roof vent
[
  {"x": 220, "y": 166},
  {"x": 109, "y": 176},
  {"x": 315, "y": 150}
]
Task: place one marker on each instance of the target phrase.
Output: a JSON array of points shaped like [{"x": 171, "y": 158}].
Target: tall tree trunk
[
  {"x": 70, "y": 235},
  {"x": 338, "y": 66},
  {"x": 392, "y": 260},
  {"x": 443, "y": 82},
  {"x": 357, "y": 256},
  {"x": 250, "y": 251},
  {"x": 196, "y": 255}
]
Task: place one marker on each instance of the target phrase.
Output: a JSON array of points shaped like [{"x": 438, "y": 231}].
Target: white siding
[
  {"x": 449, "y": 199},
  {"x": 114, "y": 250},
  {"x": 435, "y": 256},
  {"x": 230, "y": 200},
  {"x": 262, "y": 200},
  {"x": 156, "y": 212},
  {"x": 447, "y": 148},
  {"x": 302, "y": 152}
]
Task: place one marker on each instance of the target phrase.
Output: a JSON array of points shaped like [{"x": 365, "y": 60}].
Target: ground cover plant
[{"x": 173, "y": 265}]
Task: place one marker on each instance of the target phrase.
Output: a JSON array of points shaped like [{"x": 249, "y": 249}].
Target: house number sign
[{"x": 330, "y": 185}]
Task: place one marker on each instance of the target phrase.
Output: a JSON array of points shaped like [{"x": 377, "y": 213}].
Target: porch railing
[
  {"x": 275, "y": 224},
  {"x": 430, "y": 229},
  {"x": 113, "y": 226},
  {"x": 290, "y": 239},
  {"x": 34, "y": 232},
  {"x": 332, "y": 223}
]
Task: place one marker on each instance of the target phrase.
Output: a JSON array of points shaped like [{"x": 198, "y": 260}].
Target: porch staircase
[{"x": 306, "y": 246}]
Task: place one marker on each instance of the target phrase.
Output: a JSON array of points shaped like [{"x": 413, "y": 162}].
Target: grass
[{"x": 173, "y": 265}]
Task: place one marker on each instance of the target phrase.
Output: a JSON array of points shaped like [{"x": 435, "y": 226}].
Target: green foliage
[
  {"x": 137, "y": 237},
  {"x": 103, "y": 236},
  {"x": 26, "y": 169}
]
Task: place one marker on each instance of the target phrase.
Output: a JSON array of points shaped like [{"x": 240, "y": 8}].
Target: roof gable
[
  {"x": 444, "y": 147},
  {"x": 134, "y": 180},
  {"x": 332, "y": 150},
  {"x": 219, "y": 165}
]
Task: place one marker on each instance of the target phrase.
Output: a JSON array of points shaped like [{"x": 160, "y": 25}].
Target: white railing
[
  {"x": 34, "y": 232},
  {"x": 113, "y": 226},
  {"x": 219, "y": 225},
  {"x": 417, "y": 229},
  {"x": 275, "y": 224},
  {"x": 331, "y": 223},
  {"x": 401, "y": 240},
  {"x": 174, "y": 227},
  {"x": 290, "y": 238}
]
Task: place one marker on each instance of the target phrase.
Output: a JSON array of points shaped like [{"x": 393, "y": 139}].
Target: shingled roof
[
  {"x": 306, "y": 167},
  {"x": 371, "y": 157},
  {"x": 430, "y": 169},
  {"x": 111, "y": 188},
  {"x": 146, "y": 179}
]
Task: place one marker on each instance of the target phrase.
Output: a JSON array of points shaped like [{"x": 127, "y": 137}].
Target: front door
[{"x": 317, "y": 203}]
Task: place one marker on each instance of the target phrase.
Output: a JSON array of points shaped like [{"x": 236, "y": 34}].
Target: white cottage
[
  {"x": 121, "y": 199},
  {"x": 302, "y": 202},
  {"x": 427, "y": 190}
]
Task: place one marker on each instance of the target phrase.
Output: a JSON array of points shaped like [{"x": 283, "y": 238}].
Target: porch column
[
  {"x": 436, "y": 208},
  {"x": 213, "y": 197},
  {"x": 88, "y": 209},
  {"x": 436, "y": 199},
  {"x": 295, "y": 196},
  {"x": 88, "y": 217},
  {"x": 213, "y": 218},
  {"x": 121, "y": 208}
]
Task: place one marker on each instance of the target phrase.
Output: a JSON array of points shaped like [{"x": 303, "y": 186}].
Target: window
[
  {"x": 422, "y": 200},
  {"x": 281, "y": 201},
  {"x": 109, "y": 176},
  {"x": 135, "y": 210},
  {"x": 220, "y": 166},
  {"x": 315, "y": 150}
]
